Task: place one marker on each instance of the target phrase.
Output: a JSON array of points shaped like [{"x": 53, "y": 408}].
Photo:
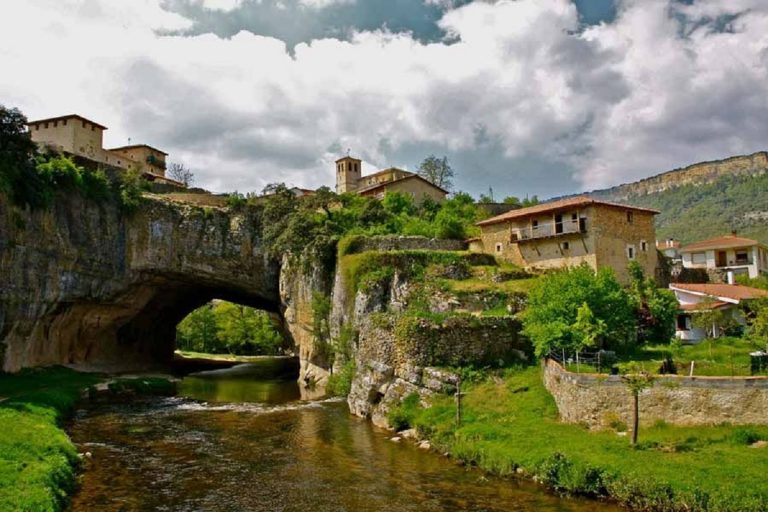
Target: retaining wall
[{"x": 597, "y": 400}]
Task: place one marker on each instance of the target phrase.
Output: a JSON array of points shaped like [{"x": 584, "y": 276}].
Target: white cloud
[
  {"x": 321, "y": 4},
  {"x": 616, "y": 102},
  {"x": 222, "y": 5}
]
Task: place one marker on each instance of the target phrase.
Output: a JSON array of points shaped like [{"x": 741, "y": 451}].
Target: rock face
[
  {"x": 85, "y": 284},
  {"x": 703, "y": 172}
]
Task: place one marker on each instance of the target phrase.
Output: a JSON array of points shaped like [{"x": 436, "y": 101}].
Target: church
[{"x": 349, "y": 178}]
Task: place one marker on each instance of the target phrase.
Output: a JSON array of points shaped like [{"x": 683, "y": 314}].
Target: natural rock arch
[{"x": 86, "y": 284}]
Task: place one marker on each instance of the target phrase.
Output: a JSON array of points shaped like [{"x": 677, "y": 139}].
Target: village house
[
  {"x": 349, "y": 179},
  {"x": 80, "y": 137},
  {"x": 570, "y": 232},
  {"x": 697, "y": 298},
  {"x": 727, "y": 254}
]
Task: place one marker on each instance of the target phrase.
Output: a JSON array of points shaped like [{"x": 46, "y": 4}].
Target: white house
[
  {"x": 695, "y": 298},
  {"x": 729, "y": 253}
]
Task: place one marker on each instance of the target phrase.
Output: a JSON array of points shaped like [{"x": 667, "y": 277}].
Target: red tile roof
[
  {"x": 134, "y": 146},
  {"x": 729, "y": 291},
  {"x": 385, "y": 184},
  {"x": 571, "y": 202},
  {"x": 720, "y": 242},
  {"x": 69, "y": 116},
  {"x": 703, "y": 305}
]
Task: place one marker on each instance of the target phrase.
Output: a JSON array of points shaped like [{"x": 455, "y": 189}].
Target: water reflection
[
  {"x": 270, "y": 381},
  {"x": 176, "y": 454}
]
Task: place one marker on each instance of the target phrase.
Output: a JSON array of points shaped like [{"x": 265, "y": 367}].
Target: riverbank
[
  {"x": 510, "y": 426},
  {"x": 38, "y": 461}
]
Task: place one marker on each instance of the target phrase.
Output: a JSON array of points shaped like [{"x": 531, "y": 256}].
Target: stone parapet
[{"x": 596, "y": 400}]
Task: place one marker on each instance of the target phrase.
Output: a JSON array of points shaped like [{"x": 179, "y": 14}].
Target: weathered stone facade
[
  {"x": 595, "y": 400},
  {"x": 598, "y": 234}
]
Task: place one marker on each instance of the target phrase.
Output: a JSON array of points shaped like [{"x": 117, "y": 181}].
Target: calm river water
[{"x": 242, "y": 440}]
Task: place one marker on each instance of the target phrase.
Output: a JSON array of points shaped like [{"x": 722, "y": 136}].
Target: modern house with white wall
[
  {"x": 730, "y": 253},
  {"x": 696, "y": 298}
]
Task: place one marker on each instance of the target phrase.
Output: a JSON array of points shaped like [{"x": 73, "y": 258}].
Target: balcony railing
[{"x": 550, "y": 229}]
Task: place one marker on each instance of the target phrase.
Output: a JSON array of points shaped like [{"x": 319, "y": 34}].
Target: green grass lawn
[
  {"x": 510, "y": 421},
  {"x": 725, "y": 356},
  {"x": 37, "y": 459}
]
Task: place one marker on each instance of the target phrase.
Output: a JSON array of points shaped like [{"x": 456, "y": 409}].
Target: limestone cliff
[
  {"x": 83, "y": 283},
  {"x": 696, "y": 174}
]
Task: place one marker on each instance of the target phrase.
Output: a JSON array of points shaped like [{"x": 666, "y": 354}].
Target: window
[
  {"x": 64, "y": 122},
  {"x": 699, "y": 258},
  {"x": 83, "y": 124},
  {"x": 45, "y": 125},
  {"x": 630, "y": 217},
  {"x": 566, "y": 246},
  {"x": 37, "y": 127},
  {"x": 742, "y": 257},
  {"x": 643, "y": 246},
  {"x": 499, "y": 247},
  {"x": 631, "y": 252},
  {"x": 682, "y": 322},
  {"x": 55, "y": 124}
]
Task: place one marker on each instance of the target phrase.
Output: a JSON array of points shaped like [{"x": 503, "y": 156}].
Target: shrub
[
  {"x": 340, "y": 383},
  {"x": 402, "y": 415},
  {"x": 745, "y": 436}
]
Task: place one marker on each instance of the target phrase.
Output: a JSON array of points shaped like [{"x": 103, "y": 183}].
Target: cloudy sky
[{"x": 526, "y": 96}]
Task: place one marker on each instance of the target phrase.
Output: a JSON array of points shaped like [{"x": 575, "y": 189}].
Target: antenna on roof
[
  {"x": 348, "y": 150},
  {"x": 129, "y": 141}
]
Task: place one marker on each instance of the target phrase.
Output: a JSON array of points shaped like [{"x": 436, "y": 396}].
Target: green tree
[
  {"x": 636, "y": 379},
  {"x": 245, "y": 330},
  {"x": 588, "y": 330},
  {"x": 515, "y": 201},
  {"x": 712, "y": 320},
  {"x": 532, "y": 201},
  {"x": 437, "y": 171},
  {"x": 199, "y": 331},
  {"x": 18, "y": 177},
  {"x": 656, "y": 308},
  {"x": 554, "y": 302}
]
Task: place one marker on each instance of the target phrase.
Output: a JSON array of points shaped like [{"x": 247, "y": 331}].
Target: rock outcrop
[
  {"x": 83, "y": 283},
  {"x": 696, "y": 174}
]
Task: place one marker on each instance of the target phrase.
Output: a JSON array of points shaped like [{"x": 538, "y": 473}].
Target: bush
[
  {"x": 745, "y": 436},
  {"x": 401, "y": 416},
  {"x": 340, "y": 384}
]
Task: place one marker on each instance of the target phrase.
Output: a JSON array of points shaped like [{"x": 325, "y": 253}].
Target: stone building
[
  {"x": 730, "y": 255},
  {"x": 573, "y": 231},
  {"x": 349, "y": 178},
  {"x": 151, "y": 160},
  {"x": 77, "y": 136}
]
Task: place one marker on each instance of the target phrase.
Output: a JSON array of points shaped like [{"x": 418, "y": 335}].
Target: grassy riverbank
[
  {"x": 510, "y": 425},
  {"x": 38, "y": 461}
]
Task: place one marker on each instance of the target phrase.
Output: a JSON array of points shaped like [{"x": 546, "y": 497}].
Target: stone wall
[
  {"x": 596, "y": 400},
  {"x": 403, "y": 243}
]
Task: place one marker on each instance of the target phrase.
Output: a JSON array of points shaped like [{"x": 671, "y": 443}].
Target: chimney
[{"x": 730, "y": 278}]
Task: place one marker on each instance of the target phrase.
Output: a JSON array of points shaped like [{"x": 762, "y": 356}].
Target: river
[{"x": 243, "y": 440}]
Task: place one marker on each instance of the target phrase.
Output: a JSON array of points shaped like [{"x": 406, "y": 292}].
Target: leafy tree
[
  {"x": 485, "y": 199},
  {"x": 656, "y": 308},
  {"x": 712, "y": 320},
  {"x": 532, "y": 201},
  {"x": 199, "y": 331},
  {"x": 636, "y": 379},
  {"x": 512, "y": 200},
  {"x": 181, "y": 173},
  {"x": 437, "y": 171},
  {"x": 758, "y": 325},
  {"x": 588, "y": 330},
  {"x": 18, "y": 178},
  {"x": 132, "y": 186},
  {"x": 550, "y": 320}
]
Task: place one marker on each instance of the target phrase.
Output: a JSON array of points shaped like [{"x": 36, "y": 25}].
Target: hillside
[{"x": 705, "y": 199}]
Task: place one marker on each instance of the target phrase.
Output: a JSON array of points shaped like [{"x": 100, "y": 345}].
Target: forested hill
[{"x": 705, "y": 199}]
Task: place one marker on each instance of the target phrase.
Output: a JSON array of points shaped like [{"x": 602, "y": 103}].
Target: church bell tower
[{"x": 347, "y": 174}]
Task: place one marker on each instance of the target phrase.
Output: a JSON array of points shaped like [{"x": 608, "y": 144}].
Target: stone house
[
  {"x": 349, "y": 178},
  {"x": 80, "y": 137},
  {"x": 696, "y": 298},
  {"x": 150, "y": 159},
  {"x": 570, "y": 232},
  {"x": 730, "y": 254}
]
